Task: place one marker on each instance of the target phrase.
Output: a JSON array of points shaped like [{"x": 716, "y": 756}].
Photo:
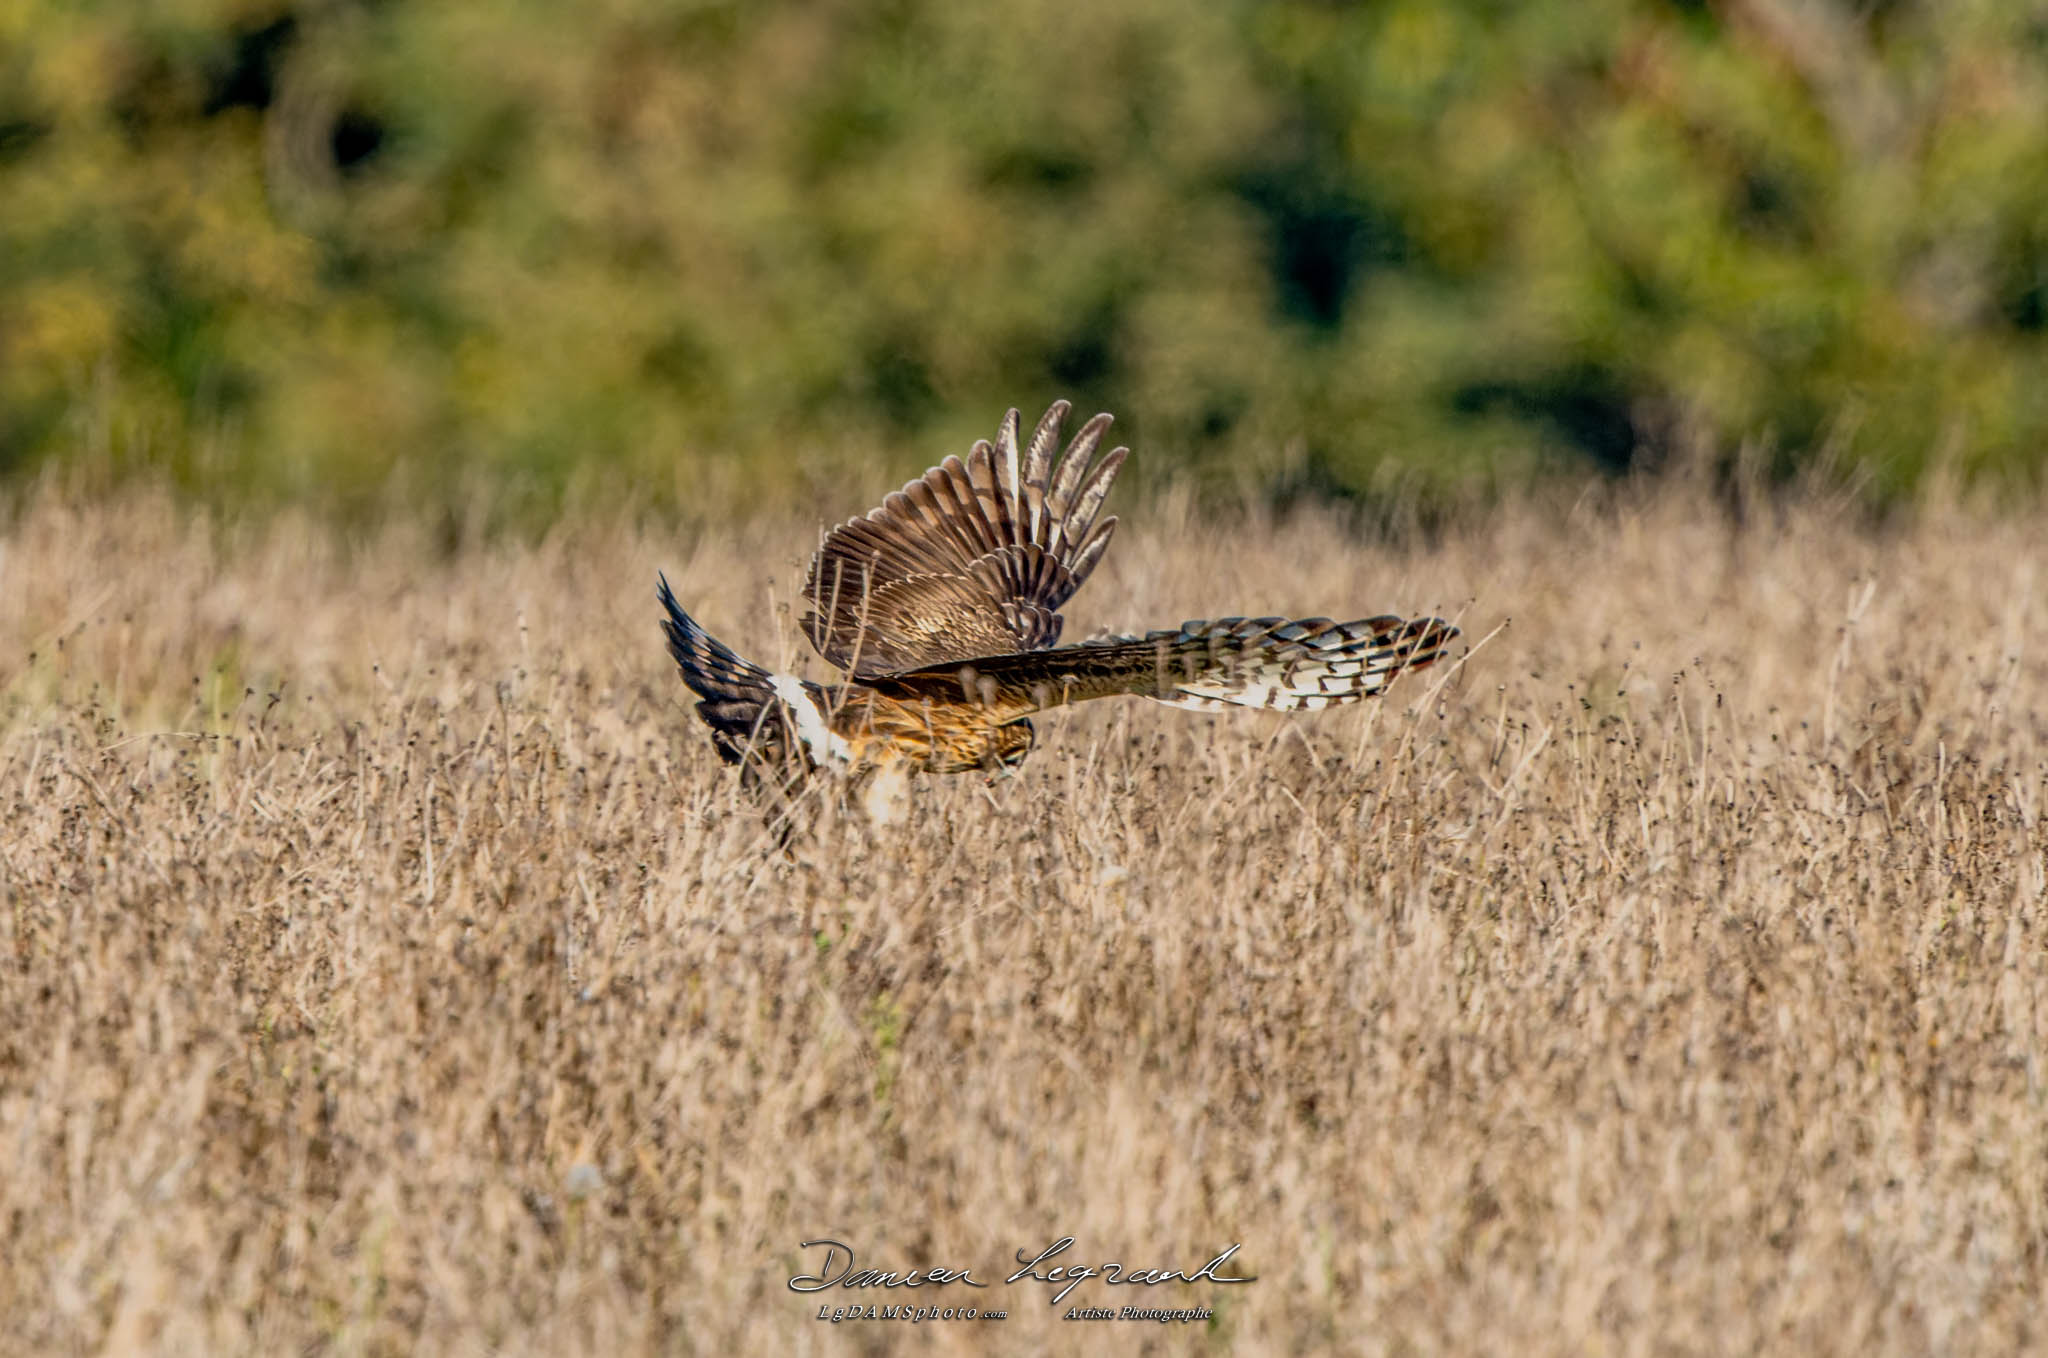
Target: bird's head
[{"x": 1010, "y": 745}]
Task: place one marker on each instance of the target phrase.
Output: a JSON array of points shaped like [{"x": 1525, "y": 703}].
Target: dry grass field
[{"x": 387, "y": 964}]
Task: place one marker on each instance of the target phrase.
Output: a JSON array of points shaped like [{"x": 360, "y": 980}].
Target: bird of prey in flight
[{"x": 943, "y": 608}]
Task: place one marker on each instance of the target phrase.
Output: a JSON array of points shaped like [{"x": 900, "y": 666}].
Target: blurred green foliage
[{"x": 295, "y": 247}]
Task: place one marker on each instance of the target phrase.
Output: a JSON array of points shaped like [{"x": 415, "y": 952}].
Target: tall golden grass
[{"x": 390, "y": 966}]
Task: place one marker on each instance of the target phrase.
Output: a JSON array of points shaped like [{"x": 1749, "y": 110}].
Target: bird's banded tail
[{"x": 738, "y": 697}]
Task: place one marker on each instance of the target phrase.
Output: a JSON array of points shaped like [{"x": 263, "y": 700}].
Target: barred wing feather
[
  {"x": 1280, "y": 664},
  {"x": 972, "y": 558}
]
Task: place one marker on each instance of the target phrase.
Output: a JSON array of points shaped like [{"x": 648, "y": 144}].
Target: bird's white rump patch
[{"x": 818, "y": 738}]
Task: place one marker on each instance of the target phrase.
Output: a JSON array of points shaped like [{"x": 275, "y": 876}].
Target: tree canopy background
[{"x": 714, "y": 250}]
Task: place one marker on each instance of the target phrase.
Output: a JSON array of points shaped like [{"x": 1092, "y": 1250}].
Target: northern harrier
[{"x": 943, "y": 608}]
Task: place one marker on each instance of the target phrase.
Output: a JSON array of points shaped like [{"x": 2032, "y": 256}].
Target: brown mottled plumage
[
  {"x": 943, "y": 607},
  {"x": 971, "y": 559}
]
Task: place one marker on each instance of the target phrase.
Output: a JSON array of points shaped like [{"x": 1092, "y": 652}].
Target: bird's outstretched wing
[
  {"x": 1277, "y": 663},
  {"x": 972, "y": 559}
]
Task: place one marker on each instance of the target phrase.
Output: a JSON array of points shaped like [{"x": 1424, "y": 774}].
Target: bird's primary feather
[
  {"x": 972, "y": 558},
  {"x": 1281, "y": 664}
]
